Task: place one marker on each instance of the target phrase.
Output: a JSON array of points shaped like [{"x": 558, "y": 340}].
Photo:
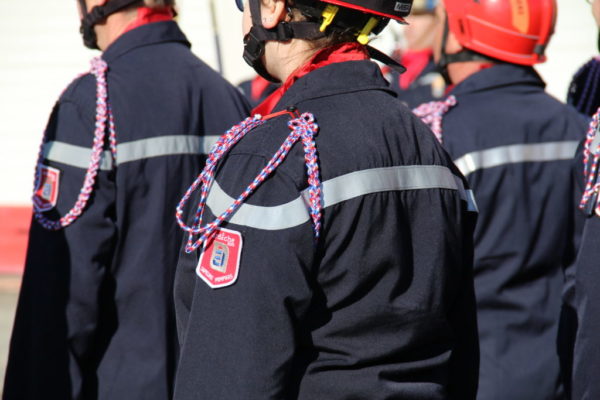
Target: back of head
[
  {"x": 514, "y": 31},
  {"x": 323, "y": 23},
  {"x": 95, "y": 15}
]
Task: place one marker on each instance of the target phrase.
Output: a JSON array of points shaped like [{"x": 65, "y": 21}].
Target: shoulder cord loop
[
  {"x": 303, "y": 127},
  {"x": 433, "y": 112},
  {"x": 590, "y": 171},
  {"x": 103, "y": 116}
]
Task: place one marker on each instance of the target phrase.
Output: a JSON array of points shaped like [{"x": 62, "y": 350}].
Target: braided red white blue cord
[
  {"x": 433, "y": 112},
  {"x": 590, "y": 171},
  {"x": 303, "y": 128},
  {"x": 103, "y": 116}
]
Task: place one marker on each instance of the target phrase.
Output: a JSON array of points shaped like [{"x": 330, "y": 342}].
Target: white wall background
[{"x": 41, "y": 52}]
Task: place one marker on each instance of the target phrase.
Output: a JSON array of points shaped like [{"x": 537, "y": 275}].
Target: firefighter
[
  {"x": 329, "y": 247},
  {"x": 95, "y": 318},
  {"x": 515, "y": 144},
  {"x": 421, "y": 82},
  {"x": 586, "y": 356}
]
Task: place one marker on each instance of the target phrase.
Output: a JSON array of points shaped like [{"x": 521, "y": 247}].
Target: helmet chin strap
[
  {"x": 96, "y": 15},
  {"x": 254, "y": 41},
  {"x": 462, "y": 56}
]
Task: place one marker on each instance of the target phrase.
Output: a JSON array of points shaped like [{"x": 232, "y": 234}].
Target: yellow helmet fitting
[
  {"x": 328, "y": 14},
  {"x": 363, "y": 37}
]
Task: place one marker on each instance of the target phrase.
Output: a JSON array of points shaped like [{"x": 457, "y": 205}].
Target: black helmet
[
  {"x": 361, "y": 17},
  {"x": 390, "y": 9}
]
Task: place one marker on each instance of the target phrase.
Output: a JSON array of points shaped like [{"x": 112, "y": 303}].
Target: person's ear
[
  {"x": 272, "y": 12},
  {"x": 452, "y": 44},
  {"x": 93, "y": 3}
]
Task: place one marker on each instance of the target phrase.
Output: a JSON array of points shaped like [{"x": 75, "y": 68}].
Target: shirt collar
[
  {"x": 498, "y": 76},
  {"x": 153, "y": 33},
  {"x": 335, "y": 54},
  {"x": 334, "y": 79}
]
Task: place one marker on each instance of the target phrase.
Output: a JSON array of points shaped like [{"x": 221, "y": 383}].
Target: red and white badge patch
[
  {"x": 219, "y": 263},
  {"x": 46, "y": 192}
]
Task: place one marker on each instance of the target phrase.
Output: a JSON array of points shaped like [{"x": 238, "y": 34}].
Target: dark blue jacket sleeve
[
  {"x": 53, "y": 348},
  {"x": 241, "y": 341}
]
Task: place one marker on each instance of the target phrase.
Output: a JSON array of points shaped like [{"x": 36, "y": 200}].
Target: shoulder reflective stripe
[
  {"x": 283, "y": 216},
  {"x": 335, "y": 191},
  {"x": 517, "y": 153},
  {"x": 75, "y": 156},
  {"x": 79, "y": 156}
]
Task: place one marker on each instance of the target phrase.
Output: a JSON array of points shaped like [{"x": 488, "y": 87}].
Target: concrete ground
[{"x": 9, "y": 291}]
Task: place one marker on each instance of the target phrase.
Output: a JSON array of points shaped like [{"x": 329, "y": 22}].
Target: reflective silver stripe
[
  {"x": 595, "y": 141},
  {"x": 75, "y": 156},
  {"x": 471, "y": 202},
  {"x": 283, "y": 216},
  {"x": 159, "y": 146},
  {"x": 78, "y": 156},
  {"x": 368, "y": 181},
  {"x": 516, "y": 153},
  {"x": 335, "y": 191}
]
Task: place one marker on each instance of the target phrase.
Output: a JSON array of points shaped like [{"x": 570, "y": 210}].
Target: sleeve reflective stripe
[
  {"x": 516, "y": 153},
  {"x": 75, "y": 156},
  {"x": 335, "y": 191},
  {"x": 78, "y": 156}
]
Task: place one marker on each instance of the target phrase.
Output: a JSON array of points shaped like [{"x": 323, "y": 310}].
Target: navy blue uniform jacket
[
  {"x": 586, "y": 355},
  {"x": 95, "y": 316},
  {"x": 515, "y": 145},
  {"x": 382, "y": 306}
]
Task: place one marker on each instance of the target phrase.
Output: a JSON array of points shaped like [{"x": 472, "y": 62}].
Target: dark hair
[{"x": 159, "y": 3}]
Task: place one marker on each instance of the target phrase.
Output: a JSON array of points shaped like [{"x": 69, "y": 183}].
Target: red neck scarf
[
  {"x": 415, "y": 62},
  {"x": 330, "y": 55},
  {"x": 258, "y": 86},
  {"x": 147, "y": 15}
]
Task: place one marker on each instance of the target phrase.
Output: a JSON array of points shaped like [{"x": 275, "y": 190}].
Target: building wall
[{"x": 41, "y": 52}]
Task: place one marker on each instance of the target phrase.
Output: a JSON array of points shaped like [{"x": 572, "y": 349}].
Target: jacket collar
[
  {"x": 498, "y": 76},
  {"x": 153, "y": 33},
  {"x": 334, "y": 79}
]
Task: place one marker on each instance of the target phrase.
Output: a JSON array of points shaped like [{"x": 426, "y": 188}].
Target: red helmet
[{"x": 515, "y": 31}]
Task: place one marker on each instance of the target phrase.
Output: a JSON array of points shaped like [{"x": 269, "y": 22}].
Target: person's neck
[
  {"x": 287, "y": 57},
  {"x": 114, "y": 26},
  {"x": 460, "y": 71}
]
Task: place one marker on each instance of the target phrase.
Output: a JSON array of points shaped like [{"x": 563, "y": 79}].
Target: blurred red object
[{"x": 14, "y": 228}]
